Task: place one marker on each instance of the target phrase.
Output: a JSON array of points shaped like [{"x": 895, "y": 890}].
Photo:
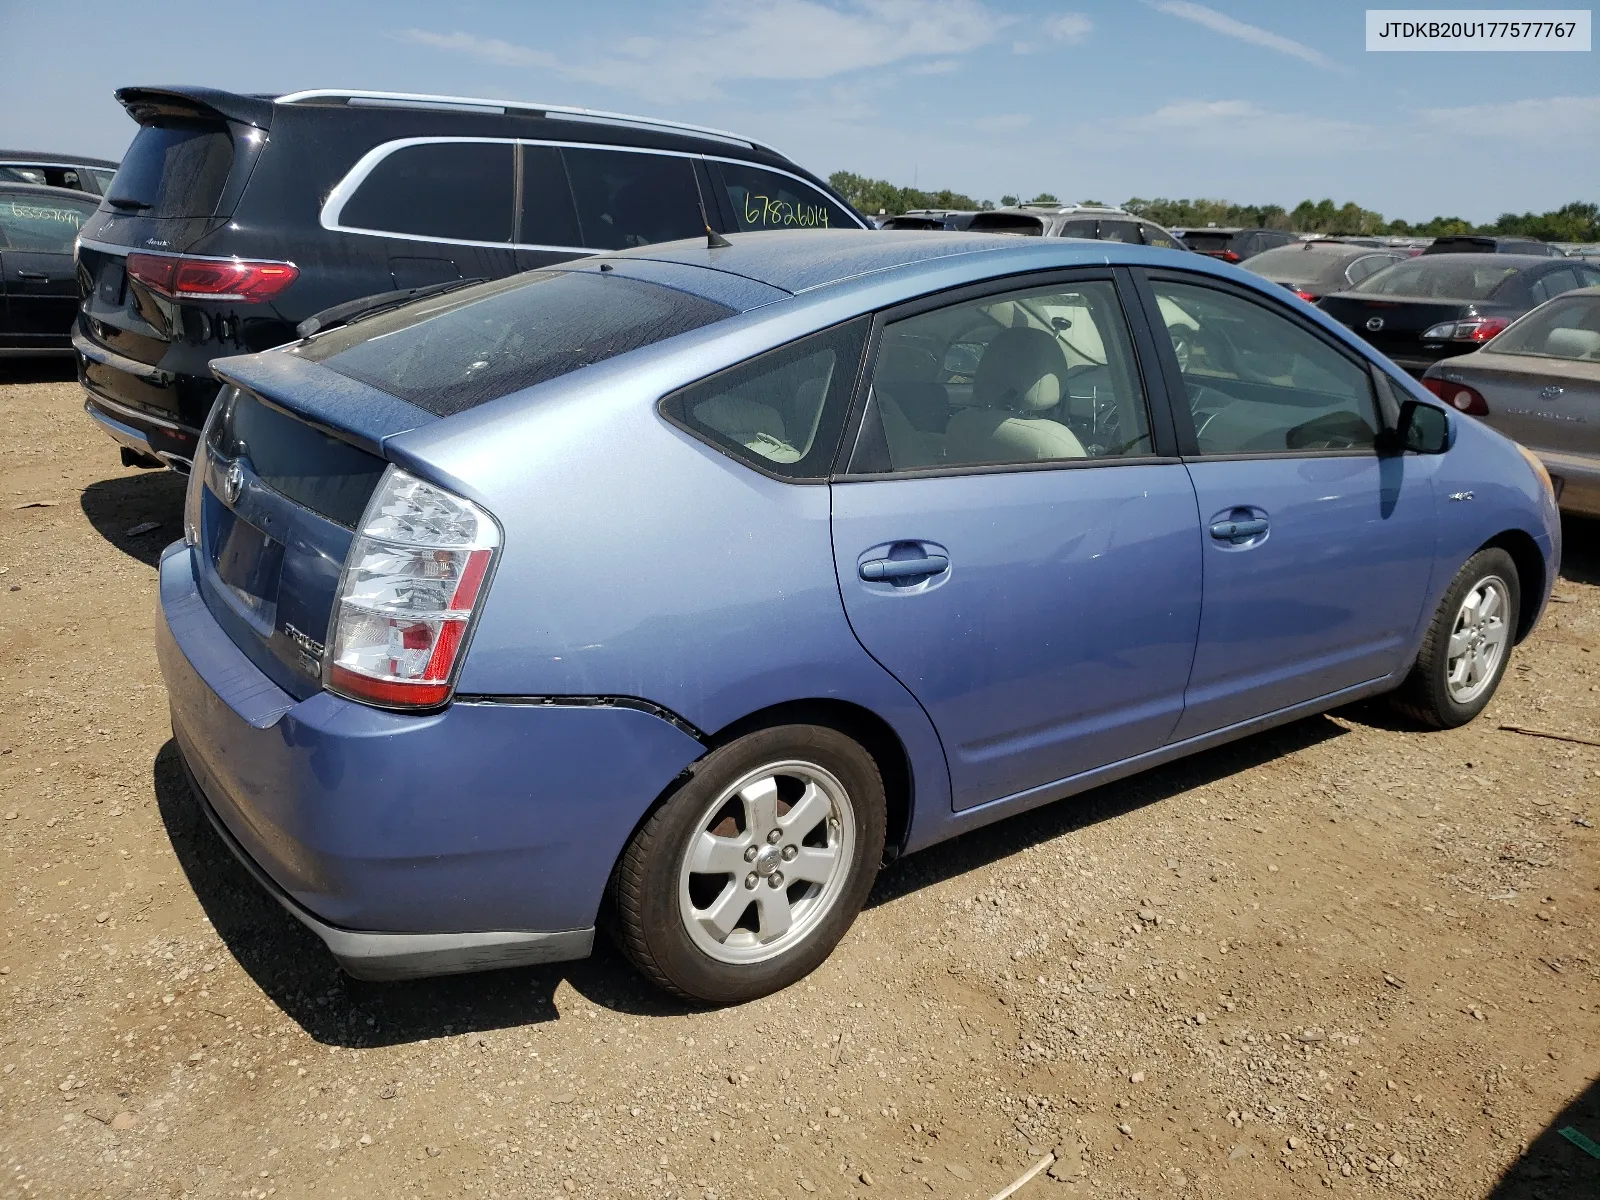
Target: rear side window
[
  {"x": 783, "y": 411},
  {"x": 455, "y": 352},
  {"x": 174, "y": 170},
  {"x": 1154, "y": 235},
  {"x": 766, "y": 200},
  {"x": 1079, "y": 229},
  {"x": 548, "y": 217},
  {"x": 632, "y": 198},
  {"x": 1120, "y": 231},
  {"x": 46, "y": 225},
  {"x": 456, "y": 190},
  {"x": 1554, "y": 283}
]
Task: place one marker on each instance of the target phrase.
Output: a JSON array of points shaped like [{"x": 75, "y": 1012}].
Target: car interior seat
[
  {"x": 1573, "y": 343},
  {"x": 1021, "y": 376}
]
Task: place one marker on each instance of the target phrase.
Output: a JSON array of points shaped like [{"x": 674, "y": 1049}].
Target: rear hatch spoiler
[{"x": 147, "y": 104}]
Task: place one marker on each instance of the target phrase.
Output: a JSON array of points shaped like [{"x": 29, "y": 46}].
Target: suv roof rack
[{"x": 473, "y": 103}]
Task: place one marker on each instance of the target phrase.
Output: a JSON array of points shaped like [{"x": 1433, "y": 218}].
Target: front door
[
  {"x": 1317, "y": 551},
  {"x": 1026, "y": 565}
]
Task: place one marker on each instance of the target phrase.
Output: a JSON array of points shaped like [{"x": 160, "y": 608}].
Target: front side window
[
  {"x": 1257, "y": 382},
  {"x": 767, "y": 200},
  {"x": 1569, "y": 328},
  {"x": 461, "y": 191},
  {"x": 632, "y": 198},
  {"x": 1045, "y": 375},
  {"x": 47, "y": 225},
  {"x": 781, "y": 412}
]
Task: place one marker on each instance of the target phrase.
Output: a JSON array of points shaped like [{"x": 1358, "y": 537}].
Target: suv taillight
[
  {"x": 235, "y": 279},
  {"x": 412, "y": 583}
]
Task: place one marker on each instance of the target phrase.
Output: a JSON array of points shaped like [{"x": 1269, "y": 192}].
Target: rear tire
[
  {"x": 786, "y": 826},
  {"x": 1467, "y": 645}
]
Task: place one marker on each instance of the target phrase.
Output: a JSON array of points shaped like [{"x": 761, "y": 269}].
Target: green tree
[
  {"x": 1044, "y": 198},
  {"x": 1007, "y": 201}
]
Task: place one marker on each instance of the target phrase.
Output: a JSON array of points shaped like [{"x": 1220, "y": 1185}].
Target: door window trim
[
  {"x": 1156, "y": 399},
  {"x": 333, "y": 207},
  {"x": 1178, "y": 394}
]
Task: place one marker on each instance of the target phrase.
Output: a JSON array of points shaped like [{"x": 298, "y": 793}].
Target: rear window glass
[
  {"x": 456, "y": 190},
  {"x": 1207, "y": 243},
  {"x": 1439, "y": 279},
  {"x": 457, "y": 351},
  {"x": 176, "y": 170},
  {"x": 47, "y": 224},
  {"x": 767, "y": 200},
  {"x": 295, "y": 459},
  {"x": 1291, "y": 264},
  {"x": 633, "y": 199},
  {"x": 1566, "y": 328},
  {"x": 1007, "y": 223}
]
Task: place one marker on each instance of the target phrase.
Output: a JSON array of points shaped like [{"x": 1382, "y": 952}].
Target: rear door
[
  {"x": 1317, "y": 552},
  {"x": 1032, "y": 574},
  {"x": 37, "y": 231}
]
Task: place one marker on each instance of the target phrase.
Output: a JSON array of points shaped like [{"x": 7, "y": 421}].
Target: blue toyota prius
[{"x": 684, "y": 585}]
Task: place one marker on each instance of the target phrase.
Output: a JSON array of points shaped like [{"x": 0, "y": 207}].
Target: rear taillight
[
  {"x": 234, "y": 279},
  {"x": 411, "y": 585},
  {"x": 1458, "y": 396},
  {"x": 1477, "y": 330},
  {"x": 1308, "y": 297},
  {"x": 1227, "y": 255}
]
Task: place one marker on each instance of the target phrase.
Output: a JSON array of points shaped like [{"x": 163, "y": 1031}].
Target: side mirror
[{"x": 1421, "y": 429}]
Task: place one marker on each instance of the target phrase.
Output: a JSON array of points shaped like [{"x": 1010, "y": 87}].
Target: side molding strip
[{"x": 633, "y": 702}]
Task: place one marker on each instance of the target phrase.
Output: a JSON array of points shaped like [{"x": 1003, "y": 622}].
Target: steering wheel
[{"x": 1217, "y": 350}]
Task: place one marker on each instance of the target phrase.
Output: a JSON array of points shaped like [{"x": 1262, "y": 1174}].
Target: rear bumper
[
  {"x": 480, "y": 836},
  {"x": 1577, "y": 481}
]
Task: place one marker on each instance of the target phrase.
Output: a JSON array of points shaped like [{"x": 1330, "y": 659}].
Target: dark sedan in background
[
  {"x": 75, "y": 171},
  {"x": 1539, "y": 383},
  {"x": 1437, "y": 306},
  {"x": 1313, "y": 269},
  {"x": 38, "y": 284}
]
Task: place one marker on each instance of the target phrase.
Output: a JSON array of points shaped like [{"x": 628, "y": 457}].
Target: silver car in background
[{"x": 1539, "y": 383}]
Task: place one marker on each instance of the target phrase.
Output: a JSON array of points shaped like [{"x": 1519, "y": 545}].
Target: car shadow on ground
[
  {"x": 1580, "y": 550},
  {"x": 1014, "y": 834},
  {"x": 289, "y": 963},
  {"x": 1554, "y": 1167},
  {"x": 138, "y": 514},
  {"x": 61, "y": 368},
  {"x": 297, "y": 974}
]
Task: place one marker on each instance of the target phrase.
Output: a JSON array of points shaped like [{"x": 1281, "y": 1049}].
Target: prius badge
[{"x": 1374, "y": 324}]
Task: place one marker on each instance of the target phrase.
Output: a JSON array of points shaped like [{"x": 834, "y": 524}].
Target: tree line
[{"x": 1575, "y": 222}]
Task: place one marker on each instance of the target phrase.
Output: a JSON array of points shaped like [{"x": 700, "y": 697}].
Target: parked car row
[{"x": 417, "y": 355}]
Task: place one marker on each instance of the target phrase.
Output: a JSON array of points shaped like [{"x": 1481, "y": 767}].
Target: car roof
[
  {"x": 1501, "y": 260},
  {"x": 49, "y": 158},
  {"x": 44, "y": 191}
]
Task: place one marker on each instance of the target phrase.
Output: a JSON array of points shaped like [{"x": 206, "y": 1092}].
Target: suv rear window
[
  {"x": 457, "y": 190},
  {"x": 457, "y": 351},
  {"x": 1007, "y": 223},
  {"x": 174, "y": 170},
  {"x": 1208, "y": 243}
]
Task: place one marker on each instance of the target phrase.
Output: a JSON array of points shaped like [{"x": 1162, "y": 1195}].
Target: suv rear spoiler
[{"x": 147, "y": 104}]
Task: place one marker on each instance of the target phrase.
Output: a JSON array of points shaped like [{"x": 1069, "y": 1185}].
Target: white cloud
[
  {"x": 1067, "y": 28},
  {"x": 1001, "y": 121},
  {"x": 1228, "y": 26},
  {"x": 730, "y": 41},
  {"x": 1243, "y": 127},
  {"x": 1569, "y": 121}
]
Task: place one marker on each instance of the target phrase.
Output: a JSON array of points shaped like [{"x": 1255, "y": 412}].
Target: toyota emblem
[
  {"x": 232, "y": 483},
  {"x": 1374, "y": 324}
]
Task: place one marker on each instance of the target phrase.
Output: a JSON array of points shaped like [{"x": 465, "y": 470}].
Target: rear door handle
[
  {"x": 33, "y": 275},
  {"x": 1248, "y": 528},
  {"x": 877, "y": 569}
]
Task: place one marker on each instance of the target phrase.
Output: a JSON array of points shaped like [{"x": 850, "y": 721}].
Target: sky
[{"x": 1242, "y": 100}]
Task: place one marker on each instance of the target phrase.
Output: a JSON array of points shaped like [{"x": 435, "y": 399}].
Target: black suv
[
  {"x": 1472, "y": 243},
  {"x": 234, "y": 218},
  {"x": 1234, "y": 245}
]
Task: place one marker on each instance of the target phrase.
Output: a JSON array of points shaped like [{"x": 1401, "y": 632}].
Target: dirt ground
[{"x": 1344, "y": 956}]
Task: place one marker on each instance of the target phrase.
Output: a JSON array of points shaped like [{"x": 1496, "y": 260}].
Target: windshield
[
  {"x": 449, "y": 353},
  {"x": 175, "y": 170},
  {"x": 1565, "y": 328},
  {"x": 1474, "y": 278}
]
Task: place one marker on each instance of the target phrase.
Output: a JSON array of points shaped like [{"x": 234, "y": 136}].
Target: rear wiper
[
  {"x": 352, "y": 311},
  {"x": 128, "y": 203}
]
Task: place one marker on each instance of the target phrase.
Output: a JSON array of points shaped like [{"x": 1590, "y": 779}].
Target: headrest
[
  {"x": 1022, "y": 370},
  {"x": 900, "y": 363},
  {"x": 1573, "y": 343}
]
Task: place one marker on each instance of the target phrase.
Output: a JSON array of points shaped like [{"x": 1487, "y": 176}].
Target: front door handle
[
  {"x": 875, "y": 570},
  {"x": 1249, "y": 527}
]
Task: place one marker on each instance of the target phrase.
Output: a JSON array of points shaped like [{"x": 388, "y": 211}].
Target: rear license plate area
[
  {"x": 248, "y": 564},
  {"x": 112, "y": 284}
]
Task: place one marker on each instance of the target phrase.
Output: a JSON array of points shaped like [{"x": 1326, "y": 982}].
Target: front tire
[
  {"x": 745, "y": 879},
  {"x": 1467, "y": 645}
]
